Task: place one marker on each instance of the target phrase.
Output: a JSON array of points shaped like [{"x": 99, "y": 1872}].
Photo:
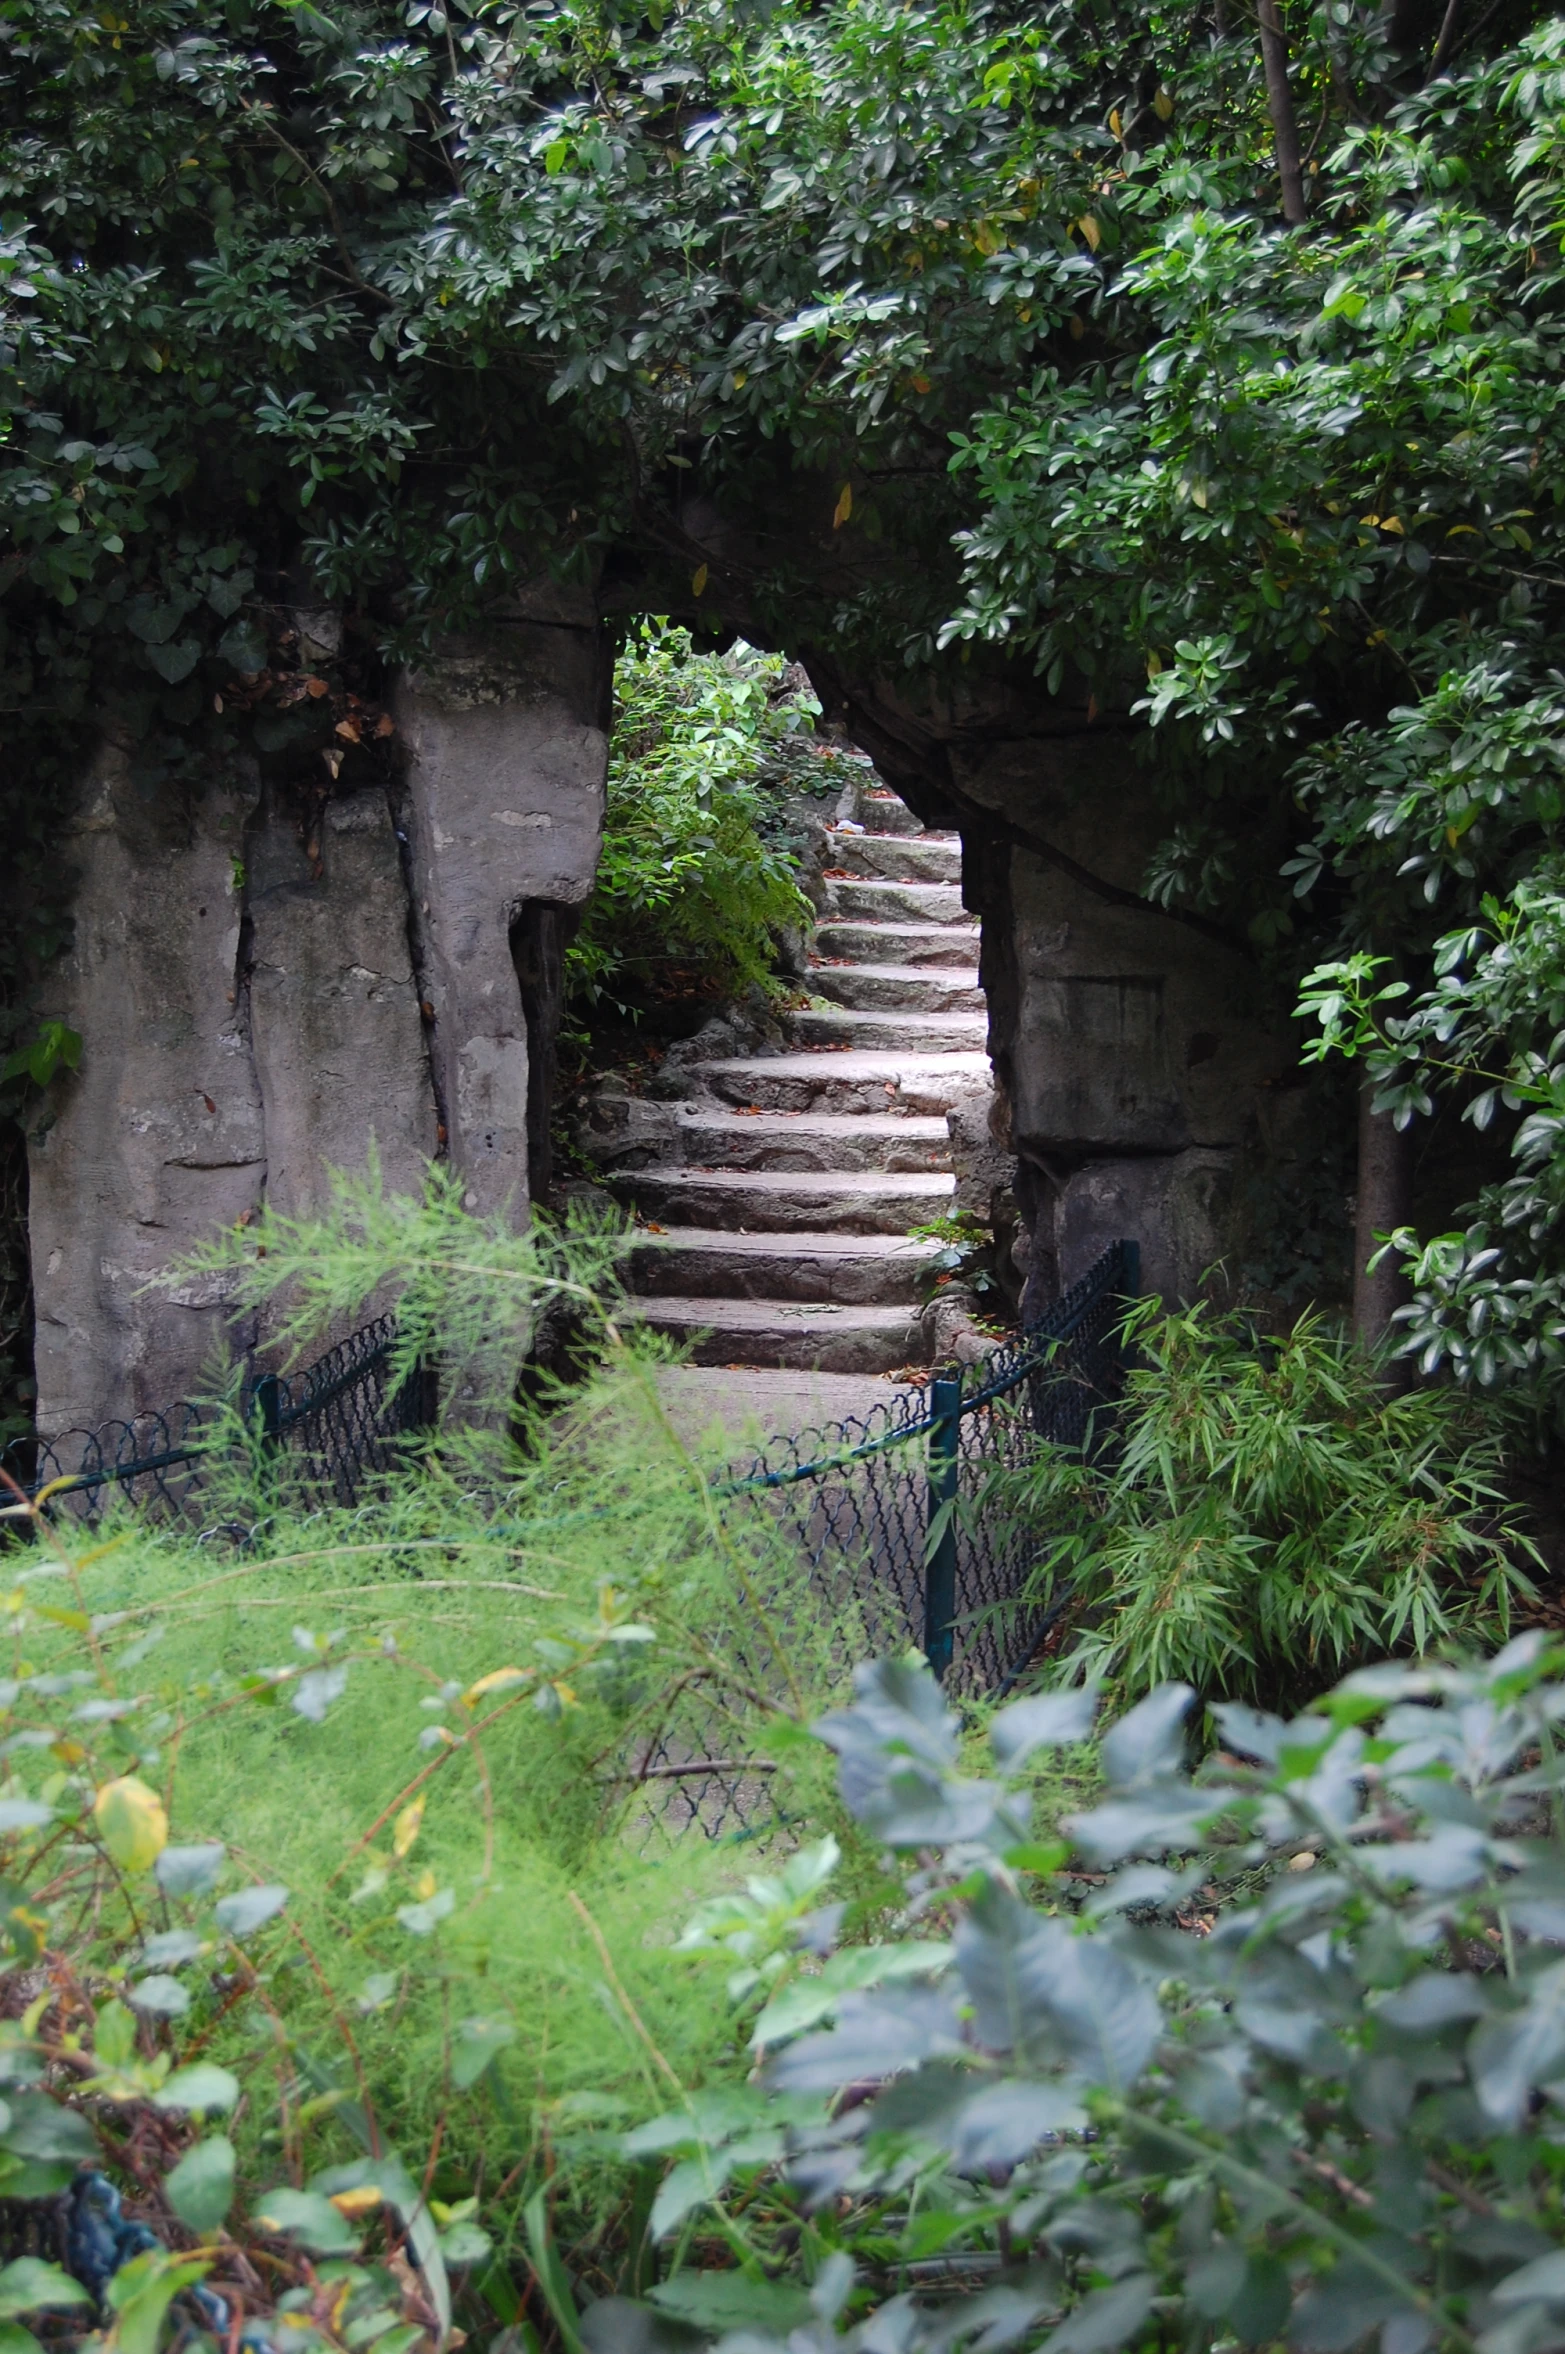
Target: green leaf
[
  {"x": 175, "y": 661},
  {"x": 198, "y": 2088},
  {"x": 188, "y": 1871},
  {"x": 201, "y": 2186},
  {"x": 309, "y": 2217},
  {"x": 39, "y": 2127},
  {"x": 141, "y": 2293},
  {"x": 243, "y": 647},
  {"x": 474, "y": 2046},
  {"x": 722, "y": 2301},
  {"x": 249, "y": 1909},
  {"x": 27, "y": 2284}
]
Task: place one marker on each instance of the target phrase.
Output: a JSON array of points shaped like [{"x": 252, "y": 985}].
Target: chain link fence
[
  {"x": 860, "y": 1538},
  {"x": 327, "y": 1433},
  {"x": 889, "y": 1520}
]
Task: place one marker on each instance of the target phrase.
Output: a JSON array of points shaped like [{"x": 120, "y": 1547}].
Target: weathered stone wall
[
  {"x": 1137, "y": 1070},
  {"x": 1128, "y": 1040},
  {"x": 334, "y": 1009},
  {"x": 260, "y": 999},
  {"x": 158, "y": 1139},
  {"x": 507, "y": 743}
]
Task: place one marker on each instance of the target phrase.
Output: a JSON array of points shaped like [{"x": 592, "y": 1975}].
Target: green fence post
[
  {"x": 945, "y": 1462},
  {"x": 267, "y": 1399}
]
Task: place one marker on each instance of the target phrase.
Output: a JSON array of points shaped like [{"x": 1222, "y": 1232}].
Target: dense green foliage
[
  {"x": 867, "y": 329},
  {"x": 331, "y": 1832},
  {"x": 1230, "y": 2102},
  {"x": 690, "y": 893},
  {"x": 1265, "y": 1517}
]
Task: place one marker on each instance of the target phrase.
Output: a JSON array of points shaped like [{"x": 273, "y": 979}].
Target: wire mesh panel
[
  {"x": 894, "y": 1519},
  {"x": 154, "y": 1461},
  {"x": 328, "y": 1432},
  {"x": 341, "y": 1424}
]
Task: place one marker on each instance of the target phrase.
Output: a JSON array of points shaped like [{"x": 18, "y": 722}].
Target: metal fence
[
  {"x": 892, "y": 1518},
  {"x": 325, "y": 1434}
]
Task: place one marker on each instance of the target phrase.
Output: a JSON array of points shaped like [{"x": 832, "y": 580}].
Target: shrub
[
  {"x": 1267, "y": 1516},
  {"x": 334, "y": 1927},
  {"x": 1304, "y": 2083},
  {"x": 690, "y": 894}
]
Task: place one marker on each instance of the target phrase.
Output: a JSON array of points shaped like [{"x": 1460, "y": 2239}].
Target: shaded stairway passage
[{"x": 787, "y": 1182}]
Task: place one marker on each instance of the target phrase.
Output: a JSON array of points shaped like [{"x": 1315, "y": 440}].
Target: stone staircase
[{"x": 780, "y": 1192}]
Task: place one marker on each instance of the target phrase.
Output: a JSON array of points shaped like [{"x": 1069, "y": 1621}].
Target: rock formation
[
  {"x": 260, "y": 997},
  {"x": 263, "y": 989}
]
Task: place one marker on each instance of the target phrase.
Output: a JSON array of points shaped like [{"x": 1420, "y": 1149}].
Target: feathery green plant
[{"x": 1266, "y": 1516}]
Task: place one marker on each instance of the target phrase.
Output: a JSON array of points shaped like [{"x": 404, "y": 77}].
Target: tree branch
[{"x": 1279, "y": 103}]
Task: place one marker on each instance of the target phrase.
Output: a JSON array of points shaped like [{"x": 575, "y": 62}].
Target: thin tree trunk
[
  {"x": 1385, "y": 1202},
  {"x": 1447, "y": 41},
  {"x": 1279, "y": 100}
]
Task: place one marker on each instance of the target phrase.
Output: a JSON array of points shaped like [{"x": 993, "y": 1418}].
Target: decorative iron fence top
[
  {"x": 146, "y": 1447},
  {"x": 1116, "y": 1274}
]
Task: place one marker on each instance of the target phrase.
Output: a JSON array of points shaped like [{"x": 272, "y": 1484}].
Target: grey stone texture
[
  {"x": 158, "y": 1139},
  {"x": 339, "y": 1044},
  {"x": 247, "y": 976},
  {"x": 1136, "y": 1078},
  {"x": 507, "y": 752},
  {"x": 1128, "y": 1046}
]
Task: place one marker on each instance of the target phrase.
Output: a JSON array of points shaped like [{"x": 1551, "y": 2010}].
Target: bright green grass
[{"x": 523, "y": 1831}]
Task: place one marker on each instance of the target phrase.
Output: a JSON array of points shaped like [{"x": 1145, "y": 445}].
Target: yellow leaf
[
  {"x": 1162, "y": 106},
  {"x": 698, "y": 580},
  {"x": 1393, "y": 523},
  {"x": 740, "y": 377},
  {"x": 1452, "y": 836},
  {"x": 495, "y": 1681},
  {"x": 408, "y": 1825},
  {"x": 363, "y": 2199},
  {"x": 1077, "y": 328},
  {"x": 920, "y": 384},
  {"x": 424, "y": 1886},
  {"x": 1116, "y": 122},
  {"x": 131, "y": 1823},
  {"x": 843, "y": 508},
  {"x": 1198, "y": 491},
  {"x": 1090, "y": 230},
  {"x": 1154, "y": 665}
]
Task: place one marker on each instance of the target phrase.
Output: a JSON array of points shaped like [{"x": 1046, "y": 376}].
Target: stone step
[
  {"x": 859, "y": 1270},
  {"x": 902, "y": 943},
  {"x": 897, "y": 858},
  {"x": 781, "y": 1202},
  {"x": 899, "y": 988},
  {"x": 883, "y": 813},
  {"x": 776, "y": 1332},
  {"x": 845, "y": 1026},
  {"x": 812, "y": 1140},
  {"x": 856, "y": 901},
  {"x": 855, "y": 1081}
]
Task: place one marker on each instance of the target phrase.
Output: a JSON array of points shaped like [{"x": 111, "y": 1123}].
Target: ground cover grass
[{"x": 411, "y": 1718}]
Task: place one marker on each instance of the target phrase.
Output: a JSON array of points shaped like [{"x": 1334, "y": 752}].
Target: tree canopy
[{"x": 1213, "y": 384}]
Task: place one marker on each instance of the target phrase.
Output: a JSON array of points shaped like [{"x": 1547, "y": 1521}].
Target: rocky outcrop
[
  {"x": 159, "y": 1137},
  {"x": 334, "y": 1007},
  {"x": 1138, "y": 1064},
  {"x": 507, "y": 752},
  {"x": 260, "y": 999}
]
